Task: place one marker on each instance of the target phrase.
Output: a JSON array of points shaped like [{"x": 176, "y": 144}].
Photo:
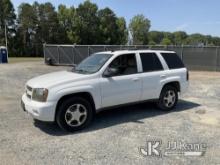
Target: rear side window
[
  {"x": 173, "y": 61},
  {"x": 150, "y": 62}
]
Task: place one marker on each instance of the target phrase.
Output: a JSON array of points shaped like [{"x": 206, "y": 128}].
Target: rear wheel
[
  {"x": 74, "y": 114},
  {"x": 168, "y": 98}
]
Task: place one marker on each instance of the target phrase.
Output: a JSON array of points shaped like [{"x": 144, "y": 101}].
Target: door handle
[
  {"x": 135, "y": 79},
  {"x": 163, "y": 76}
]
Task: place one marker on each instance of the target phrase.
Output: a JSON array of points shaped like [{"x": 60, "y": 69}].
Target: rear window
[
  {"x": 150, "y": 62},
  {"x": 173, "y": 61}
]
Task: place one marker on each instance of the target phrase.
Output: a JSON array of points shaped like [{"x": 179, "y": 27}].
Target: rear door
[
  {"x": 153, "y": 73},
  {"x": 176, "y": 69}
]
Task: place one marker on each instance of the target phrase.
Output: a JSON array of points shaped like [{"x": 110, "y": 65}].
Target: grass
[{"x": 24, "y": 59}]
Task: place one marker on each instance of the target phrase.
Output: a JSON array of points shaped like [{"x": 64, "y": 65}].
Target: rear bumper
[
  {"x": 38, "y": 110},
  {"x": 184, "y": 87}
]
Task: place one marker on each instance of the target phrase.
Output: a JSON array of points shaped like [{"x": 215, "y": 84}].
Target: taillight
[{"x": 187, "y": 75}]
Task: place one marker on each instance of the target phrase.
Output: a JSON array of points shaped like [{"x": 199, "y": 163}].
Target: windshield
[{"x": 92, "y": 63}]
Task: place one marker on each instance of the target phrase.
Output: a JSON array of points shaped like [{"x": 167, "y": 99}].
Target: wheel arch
[
  {"x": 86, "y": 95},
  {"x": 175, "y": 84}
]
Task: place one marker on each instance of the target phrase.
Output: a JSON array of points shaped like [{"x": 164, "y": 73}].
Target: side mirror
[{"x": 109, "y": 72}]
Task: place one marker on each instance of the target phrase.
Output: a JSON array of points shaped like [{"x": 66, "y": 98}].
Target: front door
[{"x": 125, "y": 85}]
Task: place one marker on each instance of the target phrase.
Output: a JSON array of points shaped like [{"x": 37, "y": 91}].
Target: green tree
[
  {"x": 48, "y": 24},
  {"x": 38, "y": 24},
  {"x": 66, "y": 17},
  {"x": 155, "y": 37},
  {"x": 139, "y": 27},
  {"x": 86, "y": 23},
  {"x": 151, "y": 42},
  {"x": 107, "y": 26},
  {"x": 166, "y": 41},
  {"x": 27, "y": 20},
  {"x": 7, "y": 17},
  {"x": 122, "y": 31},
  {"x": 110, "y": 28},
  {"x": 195, "y": 39},
  {"x": 168, "y": 35},
  {"x": 216, "y": 41},
  {"x": 179, "y": 37},
  {"x": 209, "y": 41}
]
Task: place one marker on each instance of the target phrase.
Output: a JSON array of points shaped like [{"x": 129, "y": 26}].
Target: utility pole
[{"x": 6, "y": 39}]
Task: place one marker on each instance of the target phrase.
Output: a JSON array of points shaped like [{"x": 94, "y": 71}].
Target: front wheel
[
  {"x": 168, "y": 98},
  {"x": 74, "y": 114}
]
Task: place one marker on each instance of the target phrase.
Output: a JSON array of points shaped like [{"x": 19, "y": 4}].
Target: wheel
[
  {"x": 168, "y": 98},
  {"x": 74, "y": 114}
]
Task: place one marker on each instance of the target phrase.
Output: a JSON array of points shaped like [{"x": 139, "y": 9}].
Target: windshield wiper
[{"x": 81, "y": 71}]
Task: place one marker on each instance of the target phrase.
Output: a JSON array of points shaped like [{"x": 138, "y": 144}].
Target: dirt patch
[{"x": 201, "y": 111}]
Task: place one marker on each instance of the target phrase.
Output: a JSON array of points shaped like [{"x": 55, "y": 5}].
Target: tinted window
[
  {"x": 173, "y": 61},
  {"x": 150, "y": 62},
  {"x": 125, "y": 64}
]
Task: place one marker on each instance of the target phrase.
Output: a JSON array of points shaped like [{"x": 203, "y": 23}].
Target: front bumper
[{"x": 44, "y": 111}]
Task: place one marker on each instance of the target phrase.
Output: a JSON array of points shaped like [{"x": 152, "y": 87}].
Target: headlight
[{"x": 40, "y": 94}]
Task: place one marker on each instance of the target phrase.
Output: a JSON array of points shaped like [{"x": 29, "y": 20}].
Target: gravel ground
[{"x": 116, "y": 135}]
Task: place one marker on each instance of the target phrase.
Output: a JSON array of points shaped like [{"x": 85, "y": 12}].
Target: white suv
[{"x": 103, "y": 80}]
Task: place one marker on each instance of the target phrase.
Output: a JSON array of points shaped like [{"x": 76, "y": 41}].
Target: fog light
[{"x": 35, "y": 111}]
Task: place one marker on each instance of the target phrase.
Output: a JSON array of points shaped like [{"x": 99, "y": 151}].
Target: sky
[{"x": 192, "y": 16}]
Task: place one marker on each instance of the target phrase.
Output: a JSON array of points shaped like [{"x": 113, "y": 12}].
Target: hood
[{"x": 55, "y": 78}]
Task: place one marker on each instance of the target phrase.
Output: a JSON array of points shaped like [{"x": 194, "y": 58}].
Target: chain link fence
[{"x": 195, "y": 58}]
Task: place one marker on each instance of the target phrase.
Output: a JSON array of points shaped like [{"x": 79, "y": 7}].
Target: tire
[
  {"x": 168, "y": 98},
  {"x": 74, "y": 114}
]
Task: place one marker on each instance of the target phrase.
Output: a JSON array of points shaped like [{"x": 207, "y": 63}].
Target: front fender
[{"x": 77, "y": 89}]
